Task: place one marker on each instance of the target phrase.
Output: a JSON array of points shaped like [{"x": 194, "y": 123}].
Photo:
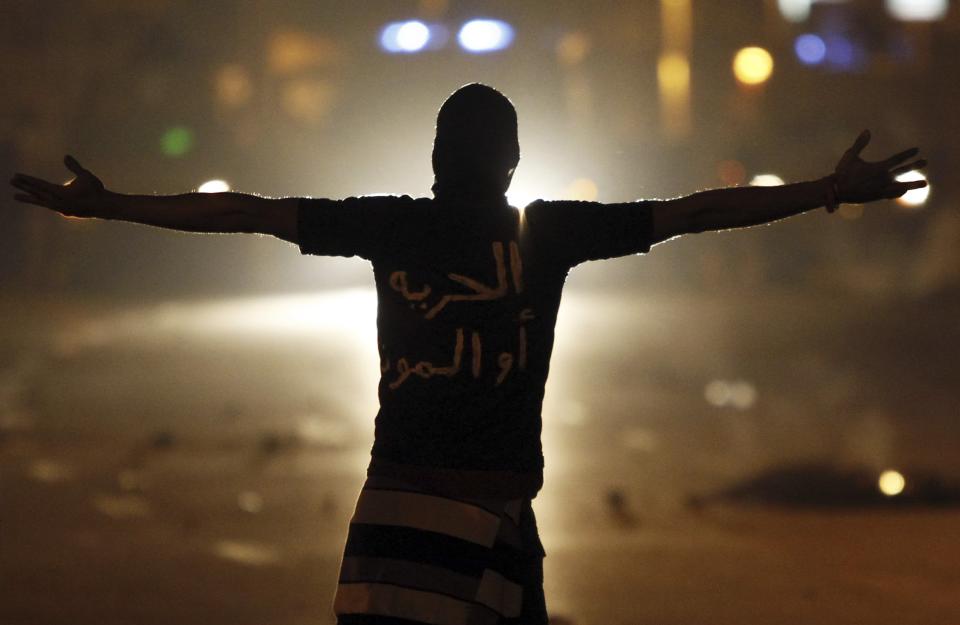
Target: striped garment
[{"x": 417, "y": 556}]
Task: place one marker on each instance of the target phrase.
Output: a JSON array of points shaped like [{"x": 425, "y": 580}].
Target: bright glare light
[
  {"x": 795, "y": 10},
  {"x": 914, "y": 197},
  {"x": 484, "y": 35},
  {"x": 405, "y": 37},
  {"x": 810, "y": 49},
  {"x": 766, "y": 180},
  {"x": 214, "y": 186},
  {"x": 891, "y": 483},
  {"x": 918, "y": 10},
  {"x": 521, "y": 195},
  {"x": 753, "y": 65}
]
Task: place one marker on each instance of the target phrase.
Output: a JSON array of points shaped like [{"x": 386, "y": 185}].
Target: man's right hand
[{"x": 84, "y": 196}]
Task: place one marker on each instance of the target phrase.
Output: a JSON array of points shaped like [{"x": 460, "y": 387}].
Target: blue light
[
  {"x": 405, "y": 37},
  {"x": 810, "y": 49},
  {"x": 484, "y": 35},
  {"x": 843, "y": 54}
]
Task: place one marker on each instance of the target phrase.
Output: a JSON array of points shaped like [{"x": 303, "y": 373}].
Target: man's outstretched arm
[
  {"x": 85, "y": 196},
  {"x": 854, "y": 180}
]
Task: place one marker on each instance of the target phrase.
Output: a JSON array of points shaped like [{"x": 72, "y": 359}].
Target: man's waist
[{"x": 481, "y": 483}]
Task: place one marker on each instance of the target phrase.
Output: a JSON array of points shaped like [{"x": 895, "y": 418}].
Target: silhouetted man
[{"x": 468, "y": 291}]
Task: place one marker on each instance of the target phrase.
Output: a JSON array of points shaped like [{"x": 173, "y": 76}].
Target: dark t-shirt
[{"x": 468, "y": 294}]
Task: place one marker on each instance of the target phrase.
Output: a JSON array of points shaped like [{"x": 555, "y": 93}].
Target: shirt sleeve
[
  {"x": 355, "y": 226},
  {"x": 574, "y": 232}
]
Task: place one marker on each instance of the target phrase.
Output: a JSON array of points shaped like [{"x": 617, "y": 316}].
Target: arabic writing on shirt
[{"x": 480, "y": 292}]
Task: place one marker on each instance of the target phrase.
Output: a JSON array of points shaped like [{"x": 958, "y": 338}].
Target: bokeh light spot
[
  {"x": 405, "y": 37},
  {"x": 573, "y": 48},
  {"x": 484, "y": 35},
  {"x": 673, "y": 74},
  {"x": 810, "y": 49},
  {"x": 250, "y": 501},
  {"x": 766, "y": 180},
  {"x": 753, "y": 65},
  {"x": 308, "y": 100},
  {"x": 843, "y": 54},
  {"x": 918, "y": 10},
  {"x": 50, "y": 471},
  {"x": 290, "y": 52},
  {"x": 731, "y": 173},
  {"x": 176, "y": 141},
  {"x": 249, "y": 554},
  {"x": 214, "y": 186},
  {"x": 233, "y": 86},
  {"x": 794, "y": 10},
  {"x": 891, "y": 483},
  {"x": 738, "y": 394}
]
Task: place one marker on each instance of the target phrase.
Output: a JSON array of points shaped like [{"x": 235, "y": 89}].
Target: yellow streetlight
[{"x": 753, "y": 65}]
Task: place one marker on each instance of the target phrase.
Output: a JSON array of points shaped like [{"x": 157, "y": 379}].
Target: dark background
[{"x": 185, "y": 419}]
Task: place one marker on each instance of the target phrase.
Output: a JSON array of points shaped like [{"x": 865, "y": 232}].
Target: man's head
[{"x": 476, "y": 147}]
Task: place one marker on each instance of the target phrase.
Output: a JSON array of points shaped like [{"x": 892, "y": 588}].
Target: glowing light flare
[
  {"x": 405, "y": 37},
  {"x": 214, "y": 186},
  {"x": 810, "y": 49},
  {"x": 673, "y": 80},
  {"x": 799, "y": 10},
  {"x": 891, "y": 483},
  {"x": 794, "y": 10},
  {"x": 528, "y": 186},
  {"x": 176, "y": 141},
  {"x": 753, "y": 65},
  {"x": 520, "y": 195},
  {"x": 673, "y": 75},
  {"x": 766, "y": 180},
  {"x": 914, "y": 197},
  {"x": 918, "y": 10},
  {"x": 485, "y": 35}
]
